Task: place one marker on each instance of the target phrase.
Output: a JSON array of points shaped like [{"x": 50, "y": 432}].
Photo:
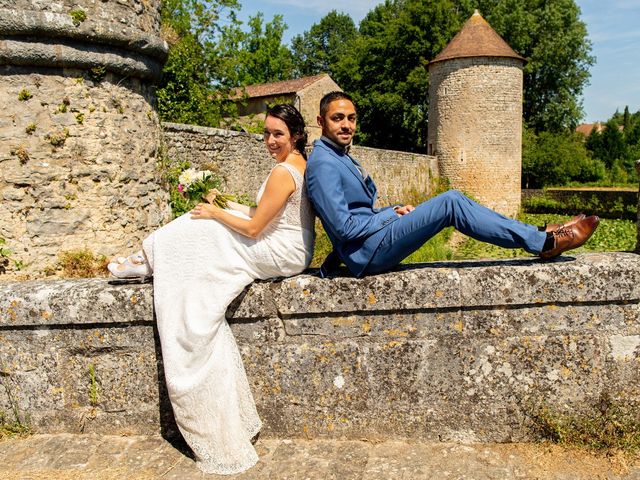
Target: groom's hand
[{"x": 404, "y": 209}]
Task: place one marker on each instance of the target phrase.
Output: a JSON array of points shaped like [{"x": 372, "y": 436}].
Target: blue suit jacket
[{"x": 344, "y": 202}]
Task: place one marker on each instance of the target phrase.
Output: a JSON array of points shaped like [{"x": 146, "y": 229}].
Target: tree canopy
[
  {"x": 553, "y": 39},
  {"x": 199, "y": 73},
  {"x": 388, "y": 70},
  {"x": 211, "y": 55},
  {"x": 322, "y": 48},
  {"x": 383, "y": 62},
  {"x": 617, "y": 145},
  {"x": 261, "y": 55}
]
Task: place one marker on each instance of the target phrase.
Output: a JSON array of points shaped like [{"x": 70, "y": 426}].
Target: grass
[
  {"x": 606, "y": 426},
  {"x": 612, "y": 235}
]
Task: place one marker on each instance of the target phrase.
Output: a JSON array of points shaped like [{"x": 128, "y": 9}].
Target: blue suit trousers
[{"x": 452, "y": 208}]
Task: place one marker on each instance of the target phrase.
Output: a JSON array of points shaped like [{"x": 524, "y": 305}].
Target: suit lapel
[
  {"x": 346, "y": 160},
  {"x": 368, "y": 185}
]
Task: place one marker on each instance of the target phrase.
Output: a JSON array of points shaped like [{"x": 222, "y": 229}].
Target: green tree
[
  {"x": 612, "y": 145},
  {"x": 389, "y": 77},
  {"x": 557, "y": 159},
  {"x": 553, "y": 39},
  {"x": 261, "y": 54},
  {"x": 390, "y": 80},
  {"x": 321, "y": 49},
  {"x": 199, "y": 74},
  {"x": 626, "y": 119},
  {"x": 616, "y": 147}
]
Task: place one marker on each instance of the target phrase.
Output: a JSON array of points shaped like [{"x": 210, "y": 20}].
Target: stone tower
[
  {"x": 78, "y": 132},
  {"x": 475, "y": 115}
]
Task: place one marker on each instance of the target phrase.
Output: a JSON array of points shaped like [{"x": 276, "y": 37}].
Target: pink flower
[{"x": 180, "y": 188}]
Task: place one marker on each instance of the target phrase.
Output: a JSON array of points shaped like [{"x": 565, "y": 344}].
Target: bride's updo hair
[{"x": 295, "y": 123}]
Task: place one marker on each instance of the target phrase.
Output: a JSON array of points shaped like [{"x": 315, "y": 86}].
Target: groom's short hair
[{"x": 332, "y": 97}]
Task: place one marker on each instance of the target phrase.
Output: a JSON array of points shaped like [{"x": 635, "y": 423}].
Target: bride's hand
[
  {"x": 205, "y": 210},
  {"x": 211, "y": 195}
]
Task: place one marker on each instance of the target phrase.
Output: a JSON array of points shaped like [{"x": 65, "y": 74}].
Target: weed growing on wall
[
  {"x": 14, "y": 423},
  {"x": 78, "y": 16},
  {"x": 93, "y": 386},
  {"x": 24, "y": 95},
  {"x": 5, "y": 253},
  {"x": 97, "y": 74},
  {"x": 82, "y": 264},
  {"x": 22, "y": 153},
  {"x": 58, "y": 138},
  {"x": 608, "y": 425}
]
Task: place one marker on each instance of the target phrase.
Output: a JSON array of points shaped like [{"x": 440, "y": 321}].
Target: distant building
[
  {"x": 304, "y": 93},
  {"x": 586, "y": 128},
  {"x": 475, "y": 115}
]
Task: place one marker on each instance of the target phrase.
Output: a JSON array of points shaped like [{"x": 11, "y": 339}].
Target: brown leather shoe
[
  {"x": 570, "y": 237},
  {"x": 552, "y": 227}
]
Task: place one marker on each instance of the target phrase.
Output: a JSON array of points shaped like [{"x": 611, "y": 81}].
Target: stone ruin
[{"x": 79, "y": 137}]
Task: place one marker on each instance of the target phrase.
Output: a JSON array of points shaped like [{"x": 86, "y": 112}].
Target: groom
[{"x": 370, "y": 240}]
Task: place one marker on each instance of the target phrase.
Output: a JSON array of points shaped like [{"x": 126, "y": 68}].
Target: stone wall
[
  {"x": 475, "y": 127},
  {"x": 241, "y": 159},
  {"x": 401, "y": 177},
  {"x": 243, "y": 162},
  {"x": 638, "y": 243},
  {"x": 456, "y": 351},
  {"x": 309, "y": 104},
  {"x": 78, "y": 133}
]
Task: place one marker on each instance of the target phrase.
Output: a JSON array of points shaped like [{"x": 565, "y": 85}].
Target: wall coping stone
[
  {"x": 585, "y": 278},
  {"x": 220, "y": 132},
  {"x": 60, "y": 25}
]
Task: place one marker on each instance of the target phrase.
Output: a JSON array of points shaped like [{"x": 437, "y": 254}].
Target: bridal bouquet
[{"x": 200, "y": 186}]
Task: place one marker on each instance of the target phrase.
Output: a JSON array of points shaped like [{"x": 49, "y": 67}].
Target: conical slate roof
[{"x": 476, "y": 39}]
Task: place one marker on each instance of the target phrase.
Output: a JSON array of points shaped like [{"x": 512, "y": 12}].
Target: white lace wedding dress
[{"x": 199, "y": 267}]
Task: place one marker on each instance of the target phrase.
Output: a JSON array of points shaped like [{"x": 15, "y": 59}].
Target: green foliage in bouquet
[{"x": 188, "y": 187}]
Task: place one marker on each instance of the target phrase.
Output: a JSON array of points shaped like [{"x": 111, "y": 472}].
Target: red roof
[
  {"x": 476, "y": 39},
  {"x": 281, "y": 88},
  {"x": 586, "y": 128}
]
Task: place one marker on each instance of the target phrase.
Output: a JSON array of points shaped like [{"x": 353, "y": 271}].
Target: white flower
[
  {"x": 187, "y": 177},
  {"x": 202, "y": 174}
]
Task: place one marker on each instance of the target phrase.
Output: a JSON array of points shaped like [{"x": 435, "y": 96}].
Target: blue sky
[{"x": 612, "y": 26}]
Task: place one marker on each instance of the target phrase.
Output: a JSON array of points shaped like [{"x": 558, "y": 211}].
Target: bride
[{"x": 200, "y": 262}]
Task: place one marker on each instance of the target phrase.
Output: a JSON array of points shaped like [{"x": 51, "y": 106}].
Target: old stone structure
[
  {"x": 243, "y": 162},
  {"x": 638, "y": 244},
  {"x": 451, "y": 351},
  {"x": 304, "y": 93},
  {"x": 78, "y": 133},
  {"x": 475, "y": 115}
]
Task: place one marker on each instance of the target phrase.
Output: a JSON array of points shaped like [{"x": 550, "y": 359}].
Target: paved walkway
[{"x": 66, "y": 456}]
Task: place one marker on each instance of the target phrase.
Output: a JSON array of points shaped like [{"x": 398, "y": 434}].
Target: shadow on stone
[{"x": 168, "y": 427}]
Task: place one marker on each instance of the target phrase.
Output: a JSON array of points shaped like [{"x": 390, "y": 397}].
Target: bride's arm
[
  {"x": 247, "y": 210},
  {"x": 279, "y": 188}
]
